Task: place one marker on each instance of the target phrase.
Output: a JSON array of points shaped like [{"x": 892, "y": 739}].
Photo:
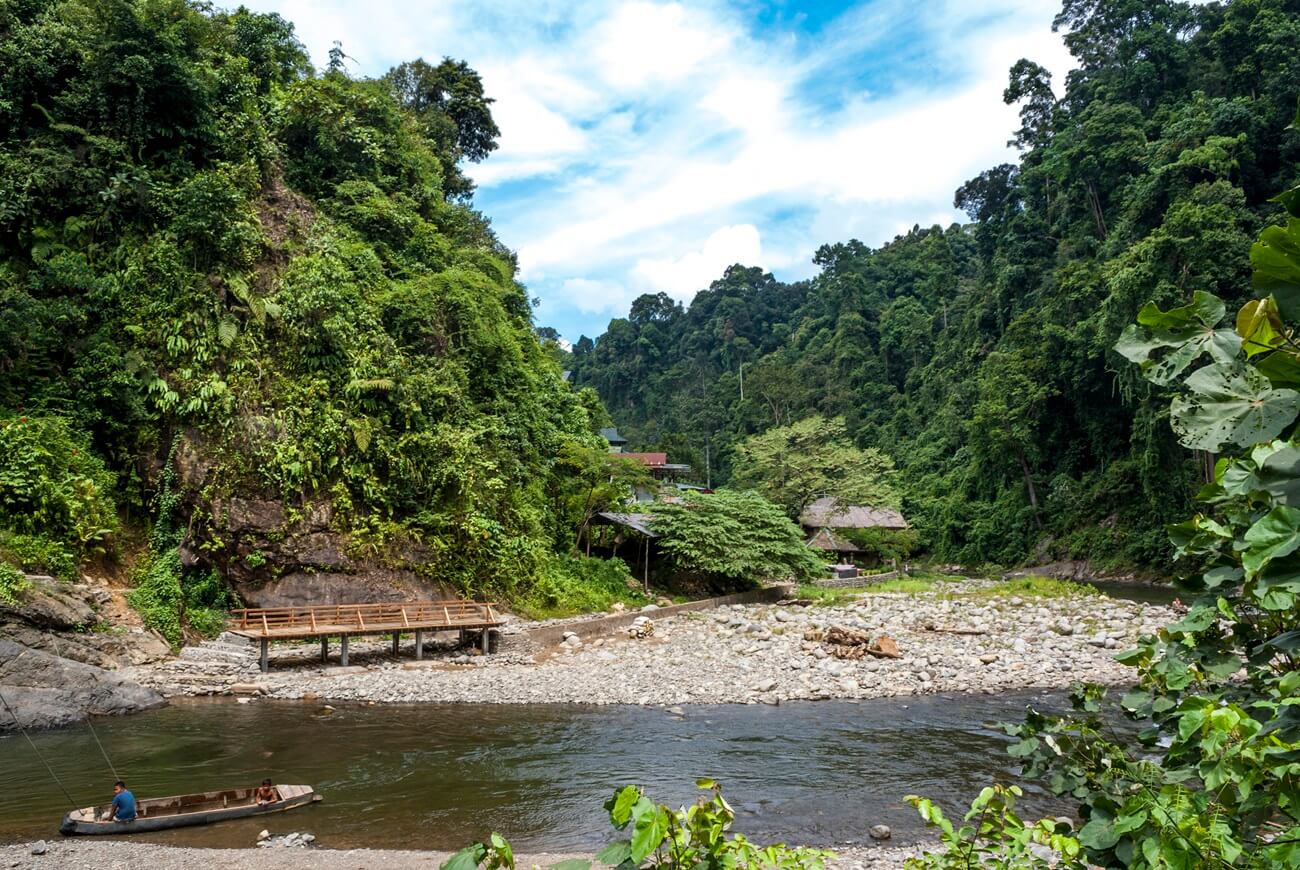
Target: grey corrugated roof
[
  {"x": 636, "y": 522},
  {"x": 827, "y": 512}
]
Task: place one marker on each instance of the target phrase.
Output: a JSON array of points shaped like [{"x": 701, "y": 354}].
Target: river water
[{"x": 438, "y": 776}]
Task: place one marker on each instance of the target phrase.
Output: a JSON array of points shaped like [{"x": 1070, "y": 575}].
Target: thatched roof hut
[{"x": 827, "y": 513}]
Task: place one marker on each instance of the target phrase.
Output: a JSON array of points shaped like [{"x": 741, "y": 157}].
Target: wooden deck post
[
  {"x": 395, "y": 644},
  {"x": 483, "y": 642},
  {"x": 344, "y": 651},
  {"x": 266, "y": 654},
  {"x": 324, "y": 648},
  {"x": 419, "y": 644}
]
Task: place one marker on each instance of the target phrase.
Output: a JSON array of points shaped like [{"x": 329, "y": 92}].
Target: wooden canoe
[{"x": 179, "y": 811}]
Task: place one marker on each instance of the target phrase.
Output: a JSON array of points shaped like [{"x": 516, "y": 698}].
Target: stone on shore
[
  {"x": 46, "y": 691},
  {"x": 947, "y": 641}
]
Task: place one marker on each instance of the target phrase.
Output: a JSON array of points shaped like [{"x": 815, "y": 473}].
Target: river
[{"x": 438, "y": 776}]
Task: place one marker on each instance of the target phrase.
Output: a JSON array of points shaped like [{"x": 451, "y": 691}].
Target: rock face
[
  {"x": 45, "y": 691},
  {"x": 46, "y": 606},
  {"x": 54, "y": 617},
  {"x": 274, "y": 556}
]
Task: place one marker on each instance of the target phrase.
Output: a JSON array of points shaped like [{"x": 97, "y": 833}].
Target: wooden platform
[{"x": 395, "y": 618}]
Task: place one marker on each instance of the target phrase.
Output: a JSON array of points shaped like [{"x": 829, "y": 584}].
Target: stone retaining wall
[
  {"x": 607, "y": 625},
  {"x": 860, "y": 580}
]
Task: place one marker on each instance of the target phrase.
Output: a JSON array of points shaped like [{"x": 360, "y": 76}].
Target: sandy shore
[
  {"x": 120, "y": 855},
  {"x": 957, "y": 639}
]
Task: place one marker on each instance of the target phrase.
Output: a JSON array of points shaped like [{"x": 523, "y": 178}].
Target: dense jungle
[{"x": 979, "y": 356}]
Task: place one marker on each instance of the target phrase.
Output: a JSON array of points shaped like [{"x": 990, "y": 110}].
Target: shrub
[
  {"x": 156, "y": 595},
  {"x": 690, "y": 838},
  {"x": 997, "y": 839},
  {"x": 170, "y": 603},
  {"x": 734, "y": 536},
  {"x": 36, "y": 554},
  {"x": 13, "y": 585},
  {"x": 574, "y": 584},
  {"x": 52, "y": 486}
]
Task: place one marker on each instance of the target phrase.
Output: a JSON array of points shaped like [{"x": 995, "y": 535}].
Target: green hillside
[{"x": 225, "y": 276}]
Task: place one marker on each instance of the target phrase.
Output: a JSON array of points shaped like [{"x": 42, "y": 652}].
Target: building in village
[
  {"x": 674, "y": 473},
  {"x": 838, "y": 528},
  {"x": 616, "y": 441}
]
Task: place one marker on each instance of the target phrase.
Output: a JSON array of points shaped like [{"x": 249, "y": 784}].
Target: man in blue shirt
[{"x": 123, "y": 808}]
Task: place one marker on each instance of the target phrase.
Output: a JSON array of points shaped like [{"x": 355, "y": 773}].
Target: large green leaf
[
  {"x": 1260, "y": 327},
  {"x": 1290, "y": 200},
  {"x": 1278, "y": 583},
  {"x": 615, "y": 853},
  {"x": 467, "y": 858},
  {"x": 1282, "y": 368},
  {"x": 1231, "y": 405},
  {"x": 1275, "y": 259},
  {"x": 648, "y": 833},
  {"x": 620, "y": 805},
  {"x": 1279, "y": 475},
  {"x": 1274, "y": 535},
  {"x": 1099, "y": 834},
  {"x": 1188, "y": 332}
]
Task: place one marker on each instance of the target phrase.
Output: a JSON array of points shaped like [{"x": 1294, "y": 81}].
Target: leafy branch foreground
[
  {"x": 692, "y": 837},
  {"x": 1211, "y": 780}
]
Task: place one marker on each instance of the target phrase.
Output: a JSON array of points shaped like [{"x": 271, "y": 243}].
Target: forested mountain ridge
[
  {"x": 249, "y": 306},
  {"x": 979, "y": 356}
]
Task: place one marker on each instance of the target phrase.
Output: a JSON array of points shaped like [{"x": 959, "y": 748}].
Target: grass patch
[
  {"x": 1035, "y": 586},
  {"x": 571, "y": 585},
  {"x": 910, "y": 585}
]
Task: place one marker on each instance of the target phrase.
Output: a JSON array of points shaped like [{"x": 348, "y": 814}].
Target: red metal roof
[{"x": 653, "y": 460}]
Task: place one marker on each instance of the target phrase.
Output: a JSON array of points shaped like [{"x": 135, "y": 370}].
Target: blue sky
[{"x": 647, "y": 145}]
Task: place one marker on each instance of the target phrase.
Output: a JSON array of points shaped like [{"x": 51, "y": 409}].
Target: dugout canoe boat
[{"x": 179, "y": 811}]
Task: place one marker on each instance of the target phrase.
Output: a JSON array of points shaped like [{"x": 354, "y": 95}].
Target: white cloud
[
  {"x": 641, "y": 44},
  {"x": 632, "y": 129},
  {"x": 681, "y": 277},
  {"x": 596, "y": 297}
]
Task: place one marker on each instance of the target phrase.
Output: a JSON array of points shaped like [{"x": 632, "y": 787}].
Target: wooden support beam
[
  {"x": 324, "y": 648},
  {"x": 266, "y": 654},
  {"x": 344, "y": 651},
  {"x": 483, "y": 642},
  {"x": 419, "y": 644},
  {"x": 395, "y": 643}
]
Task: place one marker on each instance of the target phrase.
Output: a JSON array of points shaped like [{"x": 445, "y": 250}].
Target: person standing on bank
[{"x": 123, "y": 806}]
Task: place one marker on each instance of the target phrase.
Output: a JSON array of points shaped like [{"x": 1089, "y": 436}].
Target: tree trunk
[
  {"x": 1029, "y": 483},
  {"x": 1094, "y": 202}
]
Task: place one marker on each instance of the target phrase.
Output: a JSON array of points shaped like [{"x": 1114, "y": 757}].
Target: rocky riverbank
[
  {"x": 102, "y": 855},
  {"x": 971, "y": 636},
  {"x": 57, "y": 667}
]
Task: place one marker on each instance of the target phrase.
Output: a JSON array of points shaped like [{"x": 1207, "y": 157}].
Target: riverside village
[{"x": 641, "y": 434}]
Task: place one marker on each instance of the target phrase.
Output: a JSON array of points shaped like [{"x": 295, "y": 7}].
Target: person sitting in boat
[
  {"x": 123, "y": 807},
  {"x": 266, "y": 793}
]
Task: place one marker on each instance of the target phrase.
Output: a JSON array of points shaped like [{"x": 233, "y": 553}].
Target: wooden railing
[{"x": 374, "y": 618}]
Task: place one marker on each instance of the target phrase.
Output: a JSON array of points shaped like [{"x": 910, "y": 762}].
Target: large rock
[
  {"x": 45, "y": 605},
  {"x": 109, "y": 650},
  {"x": 46, "y": 691},
  {"x": 274, "y": 556}
]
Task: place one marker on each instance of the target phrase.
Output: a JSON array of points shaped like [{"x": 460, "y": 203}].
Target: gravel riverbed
[
  {"x": 120, "y": 855},
  {"x": 960, "y": 639}
]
